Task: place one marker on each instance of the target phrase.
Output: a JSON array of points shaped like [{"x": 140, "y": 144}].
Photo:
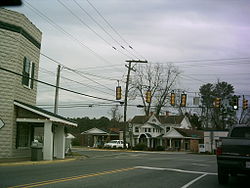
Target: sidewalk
[{"x": 27, "y": 161}]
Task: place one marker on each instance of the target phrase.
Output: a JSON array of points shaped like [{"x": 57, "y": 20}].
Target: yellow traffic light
[
  {"x": 118, "y": 92},
  {"x": 172, "y": 99},
  {"x": 183, "y": 100},
  {"x": 217, "y": 102},
  {"x": 148, "y": 96},
  {"x": 245, "y": 104}
]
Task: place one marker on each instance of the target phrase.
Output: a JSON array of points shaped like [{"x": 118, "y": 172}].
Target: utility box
[{"x": 36, "y": 151}]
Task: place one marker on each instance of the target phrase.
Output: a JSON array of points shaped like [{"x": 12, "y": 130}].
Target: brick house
[{"x": 21, "y": 121}]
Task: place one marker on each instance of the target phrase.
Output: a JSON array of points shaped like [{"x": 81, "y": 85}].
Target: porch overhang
[{"x": 42, "y": 115}]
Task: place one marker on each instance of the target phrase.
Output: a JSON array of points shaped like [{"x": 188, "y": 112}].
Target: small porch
[
  {"x": 148, "y": 140},
  {"x": 35, "y": 125}
]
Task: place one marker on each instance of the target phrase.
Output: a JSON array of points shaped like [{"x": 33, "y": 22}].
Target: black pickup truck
[{"x": 233, "y": 153}]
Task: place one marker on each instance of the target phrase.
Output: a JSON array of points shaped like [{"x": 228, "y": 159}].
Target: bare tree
[
  {"x": 115, "y": 114},
  {"x": 157, "y": 79}
]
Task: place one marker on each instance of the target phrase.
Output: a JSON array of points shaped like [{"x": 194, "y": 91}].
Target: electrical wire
[
  {"x": 57, "y": 62},
  {"x": 92, "y": 87},
  {"x": 80, "y": 74},
  {"x": 65, "y": 32},
  {"x": 77, "y": 17},
  {"x": 94, "y": 20},
  {"x": 64, "y": 89},
  {"x": 106, "y": 21}
]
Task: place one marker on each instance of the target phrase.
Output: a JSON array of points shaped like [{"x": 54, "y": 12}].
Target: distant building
[
  {"x": 211, "y": 138},
  {"x": 96, "y": 137},
  {"x": 170, "y": 131},
  {"x": 22, "y": 121}
]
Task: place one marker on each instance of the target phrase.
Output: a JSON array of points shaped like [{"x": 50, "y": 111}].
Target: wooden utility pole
[
  {"x": 126, "y": 97},
  {"x": 57, "y": 89}
]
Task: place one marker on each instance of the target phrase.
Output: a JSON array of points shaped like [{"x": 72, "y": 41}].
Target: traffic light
[
  {"x": 172, "y": 99},
  {"x": 183, "y": 100},
  {"x": 118, "y": 92},
  {"x": 235, "y": 102},
  {"x": 245, "y": 104},
  {"x": 148, "y": 96},
  {"x": 217, "y": 102}
]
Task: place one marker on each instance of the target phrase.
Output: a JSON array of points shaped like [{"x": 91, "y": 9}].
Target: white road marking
[
  {"x": 193, "y": 181},
  {"x": 198, "y": 164},
  {"x": 176, "y": 170}
]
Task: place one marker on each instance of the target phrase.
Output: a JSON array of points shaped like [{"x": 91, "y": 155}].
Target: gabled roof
[
  {"x": 140, "y": 119},
  {"x": 46, "y": 114},
  {"x": 94, "y": 131},
  {"x": 97, "y": 131},
  {"x": 155, "y": 126},
  {"x": 173, "y": 119},
  {"x": 190, "y": 133}
]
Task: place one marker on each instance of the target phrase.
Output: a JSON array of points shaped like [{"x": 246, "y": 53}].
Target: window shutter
[
  {"x": 32, "y": 75},
  {"x": 23, "y": 77}
]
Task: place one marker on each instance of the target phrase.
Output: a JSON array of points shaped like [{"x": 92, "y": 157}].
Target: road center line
[
  {"x": 176, "y": 170},
  {"x": 41, "y": 183}
]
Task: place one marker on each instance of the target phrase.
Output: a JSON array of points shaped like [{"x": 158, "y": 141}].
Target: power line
[
  {"x": 106, "y": 21},
  {"x": 57, "y": 62},
  {"x": 80, "y": 74},
  {"x": 114, "y": 48},
  {"x": 71, "y": 91},
  {"x": 94, "y": 20},
  {"x": 64, "y": 31},
  {"x": 86, "y": 85}
]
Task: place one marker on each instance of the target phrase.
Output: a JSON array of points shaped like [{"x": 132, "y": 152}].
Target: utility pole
[
  {"x": 126, "y": 96},
  {"x": 57, "y": 89}
]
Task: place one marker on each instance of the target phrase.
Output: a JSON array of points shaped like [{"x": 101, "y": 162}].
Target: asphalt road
[{"x": 109, "y": 169}]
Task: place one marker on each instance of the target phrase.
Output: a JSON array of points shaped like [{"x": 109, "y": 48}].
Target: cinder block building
[{"x": 21, "y": 122}]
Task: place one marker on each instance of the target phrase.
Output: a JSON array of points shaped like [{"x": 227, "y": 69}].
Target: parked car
[
  {"x": 115, "y": 144},
  {"x": 233, "y": 154}
]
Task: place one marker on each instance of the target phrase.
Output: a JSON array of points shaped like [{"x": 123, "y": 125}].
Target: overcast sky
[{"x": 208, "y": 40}]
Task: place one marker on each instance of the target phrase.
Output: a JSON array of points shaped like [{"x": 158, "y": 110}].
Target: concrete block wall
[{"x": 14, "y": 46}]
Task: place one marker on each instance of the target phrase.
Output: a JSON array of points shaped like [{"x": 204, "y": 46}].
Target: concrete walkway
[{"x": 27, "y": 161}]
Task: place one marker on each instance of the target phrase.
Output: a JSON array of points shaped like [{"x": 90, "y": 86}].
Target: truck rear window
[{"x": 241, "y": 132}]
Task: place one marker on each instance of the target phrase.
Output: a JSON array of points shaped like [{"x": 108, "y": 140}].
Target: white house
[{"x": 152, "y": 129}]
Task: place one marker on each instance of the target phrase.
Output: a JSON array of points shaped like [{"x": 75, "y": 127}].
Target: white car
[{"x": 115, "y": 144}]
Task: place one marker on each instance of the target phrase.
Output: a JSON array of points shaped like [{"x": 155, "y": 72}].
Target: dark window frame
[{"x": 28, "y": 73}]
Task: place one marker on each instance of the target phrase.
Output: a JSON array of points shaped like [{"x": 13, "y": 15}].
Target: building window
[
  {"x": 28, "y": 73},
  {"x": 149, "y": 130},
  {"x": 167, "y": 129},
  {"x": 23, "y": 135},
  {"x": 153, "y": 130},
  {"x": 136, "y": 129},
  {"x": 145, "y": 130}
]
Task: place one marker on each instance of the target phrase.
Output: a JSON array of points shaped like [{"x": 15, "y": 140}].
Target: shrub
[
  {"x": 160, "y": 148},
  {"x": 140, "y": 146},
  {"x": 75, "y": 142}
]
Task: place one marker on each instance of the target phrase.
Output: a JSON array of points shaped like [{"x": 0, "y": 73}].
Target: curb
[{"x": 36, "y": 162}]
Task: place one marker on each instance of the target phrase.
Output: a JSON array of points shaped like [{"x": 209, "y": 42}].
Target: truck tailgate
[{"x": 236, "y": 146}]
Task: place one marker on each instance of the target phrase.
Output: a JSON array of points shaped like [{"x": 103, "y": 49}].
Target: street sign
[{"x": 1, "y": 123}]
